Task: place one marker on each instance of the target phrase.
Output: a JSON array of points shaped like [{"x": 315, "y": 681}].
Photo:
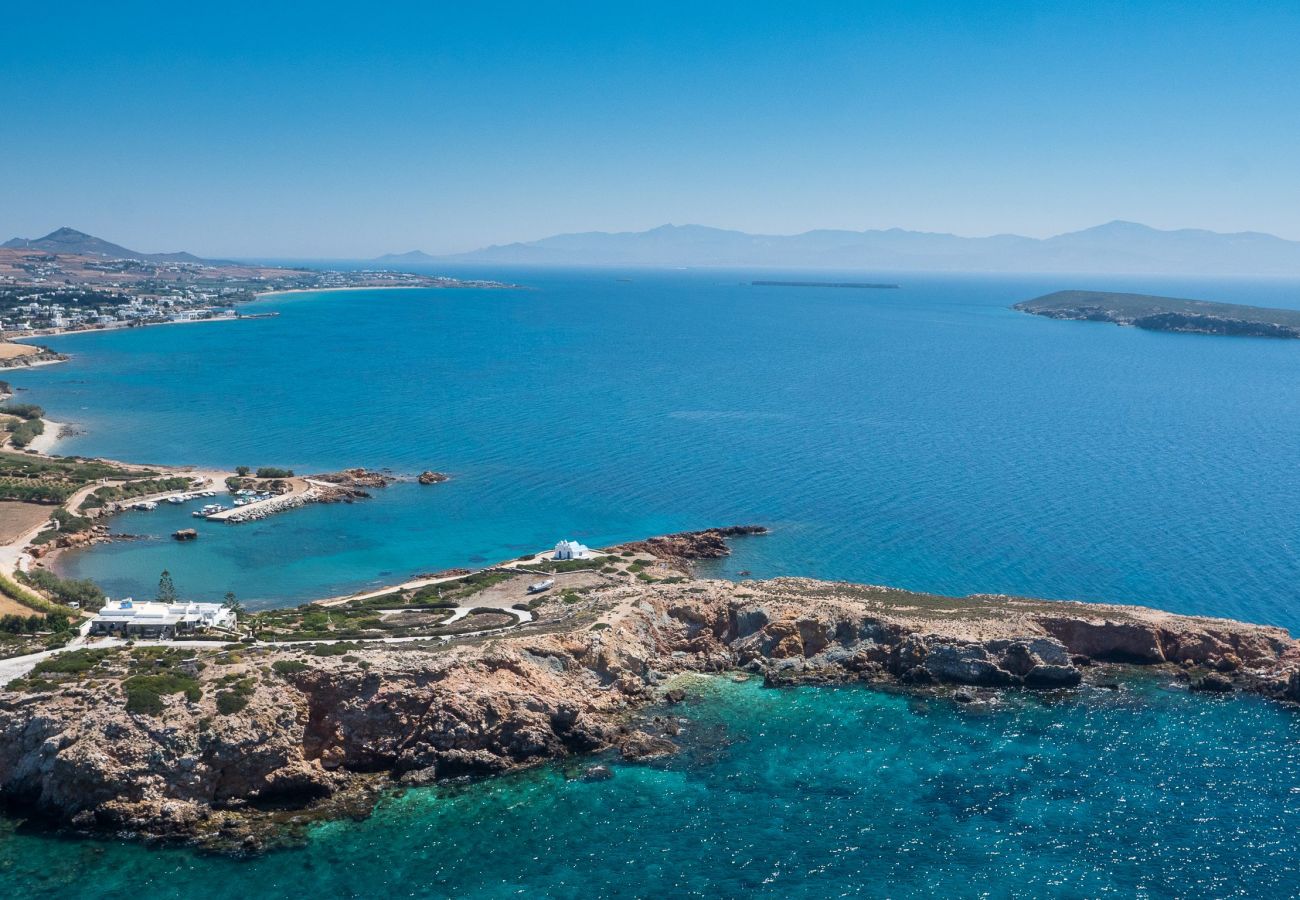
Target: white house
[
  {"x": 159, "y": 620},
  {"x": 571, "y": 550}
]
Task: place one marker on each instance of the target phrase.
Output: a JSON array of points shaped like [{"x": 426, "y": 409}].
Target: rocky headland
[{"x": 195, "y": 744}]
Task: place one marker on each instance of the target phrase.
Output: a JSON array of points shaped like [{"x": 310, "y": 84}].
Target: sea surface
[
  {"x": 808, "y": 792},
  {"x": 927, "y": 437}
]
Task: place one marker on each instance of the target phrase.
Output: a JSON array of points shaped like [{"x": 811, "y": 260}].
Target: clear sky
[{"x": 350, "y": 129}]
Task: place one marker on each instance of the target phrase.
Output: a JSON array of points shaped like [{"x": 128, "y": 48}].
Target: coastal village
[{"x": 69, "y": 281}]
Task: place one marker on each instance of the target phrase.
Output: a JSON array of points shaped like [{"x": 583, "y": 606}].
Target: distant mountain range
[
  {"x": 1116, "y": 247},
  {"x": 69, "y": 240}
]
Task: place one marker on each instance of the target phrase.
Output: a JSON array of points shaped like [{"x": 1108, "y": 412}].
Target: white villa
[
  {"x": 571, "y": 550},
  {"x": 149, "y": 619}
]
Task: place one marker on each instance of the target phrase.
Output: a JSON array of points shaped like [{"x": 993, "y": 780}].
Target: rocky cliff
[{"x": 230, "y": 731}]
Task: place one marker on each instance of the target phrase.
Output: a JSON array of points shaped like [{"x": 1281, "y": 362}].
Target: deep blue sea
[{"x": 927, "y": 437}]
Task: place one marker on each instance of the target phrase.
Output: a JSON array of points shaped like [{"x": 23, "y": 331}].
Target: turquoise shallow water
[
  {"x": 928, "y": 437},
  {"x": 813, "y": 792}
]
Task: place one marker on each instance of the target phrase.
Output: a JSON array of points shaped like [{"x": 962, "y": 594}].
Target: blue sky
[{"x": 342, "y": 129}]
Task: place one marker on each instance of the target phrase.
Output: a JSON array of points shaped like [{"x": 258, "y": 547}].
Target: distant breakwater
[{"x": 826, "y": 284}]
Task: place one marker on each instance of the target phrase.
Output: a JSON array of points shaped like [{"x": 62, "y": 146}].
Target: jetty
[{"x": 301, "y": 494}]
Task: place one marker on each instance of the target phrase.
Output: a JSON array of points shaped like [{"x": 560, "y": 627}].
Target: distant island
[
  {"x": 1166, "y": 313},
  {"x": 826, "y": 284}
]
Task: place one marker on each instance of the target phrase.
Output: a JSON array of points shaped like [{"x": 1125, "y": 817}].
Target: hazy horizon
[{"x": 263, "y": 132}]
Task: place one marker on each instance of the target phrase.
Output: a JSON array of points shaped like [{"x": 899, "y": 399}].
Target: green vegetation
[
  {"x": 74, "y": 662},
  {"x": 64, "y": 522},
  {"x": 13, "y": 624},
  {"x": 12, "y": 645},
  {"x": 27, "y": 411},
  {"x": 144, "y": 693},
  {"x": 342, "y": 648},
  {"x": 128, "y": 490},
  {"x": 22, "y": 433},
  {"x": 273, "y": 472},
  {"x": 473, "y": 584},
  {"x": 570, "y": 565},
  {"x": 31, "y": 600},
  {"x": 67, "y": 591},
  {"x": 288, "y": 666},
  {"x": 235, "y": 698},
  {"x": 70, "y": 468},
  {"x": 242, "y": 471},
  {"x": 35, "y": 491},
  {"x": 1166, "y": 313},
  {"x": 166, "y": 588},
  {"x": 35, "y": 479}
]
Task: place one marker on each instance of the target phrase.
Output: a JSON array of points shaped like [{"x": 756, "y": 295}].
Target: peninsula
[
  {"x": 1166, "y": 313},
  {"x": 314, "y": 713}
]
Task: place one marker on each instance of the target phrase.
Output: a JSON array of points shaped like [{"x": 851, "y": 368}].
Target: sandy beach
[{"x": 45, "y": 442}]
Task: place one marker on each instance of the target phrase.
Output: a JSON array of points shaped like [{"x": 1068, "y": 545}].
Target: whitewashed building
[
  {"x": 149, "y": 619},
  {"x": 571, "y": 550}
]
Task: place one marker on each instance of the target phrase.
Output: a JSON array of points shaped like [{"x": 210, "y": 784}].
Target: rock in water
[{"x": 430, "y": 477}]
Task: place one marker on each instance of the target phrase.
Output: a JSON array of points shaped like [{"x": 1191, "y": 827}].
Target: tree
[
  {"x": 166, "y": 588},
  {"x": 242, "y": 471},
  {"x": 232, "y": 604}
]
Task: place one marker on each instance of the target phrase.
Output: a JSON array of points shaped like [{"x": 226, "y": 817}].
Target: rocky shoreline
[{"x": 319, "y": 733}]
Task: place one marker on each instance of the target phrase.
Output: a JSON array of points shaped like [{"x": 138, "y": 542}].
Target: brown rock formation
[
  {"x": 689, "y": 545},
  {"x": 356, "y": 478},
  {"x": 430, "y": 477},
  {"x": 317, "y": 727}
]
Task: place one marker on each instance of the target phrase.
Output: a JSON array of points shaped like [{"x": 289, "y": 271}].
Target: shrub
[
  {"x": 22, "y": 434},
  {"x": 340, "y": 649},
  {"x": 74, "y": 662},
  {"x": 144, "y": 693},
  {"x": 273, "y": 472},
  {"x": 235, "y": 699},
  {"x": 15, "y": 624},
  {"x": 288, "y": 666},
  {"x": 22, "y": 410},
  {"x": 230, "y": 702}
]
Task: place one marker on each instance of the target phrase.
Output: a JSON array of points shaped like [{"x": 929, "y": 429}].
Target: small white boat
[
  {"x": 145, "y": 506},
  {"x": 177, "y": 500},
  {"x": 538, "y": 586}
]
